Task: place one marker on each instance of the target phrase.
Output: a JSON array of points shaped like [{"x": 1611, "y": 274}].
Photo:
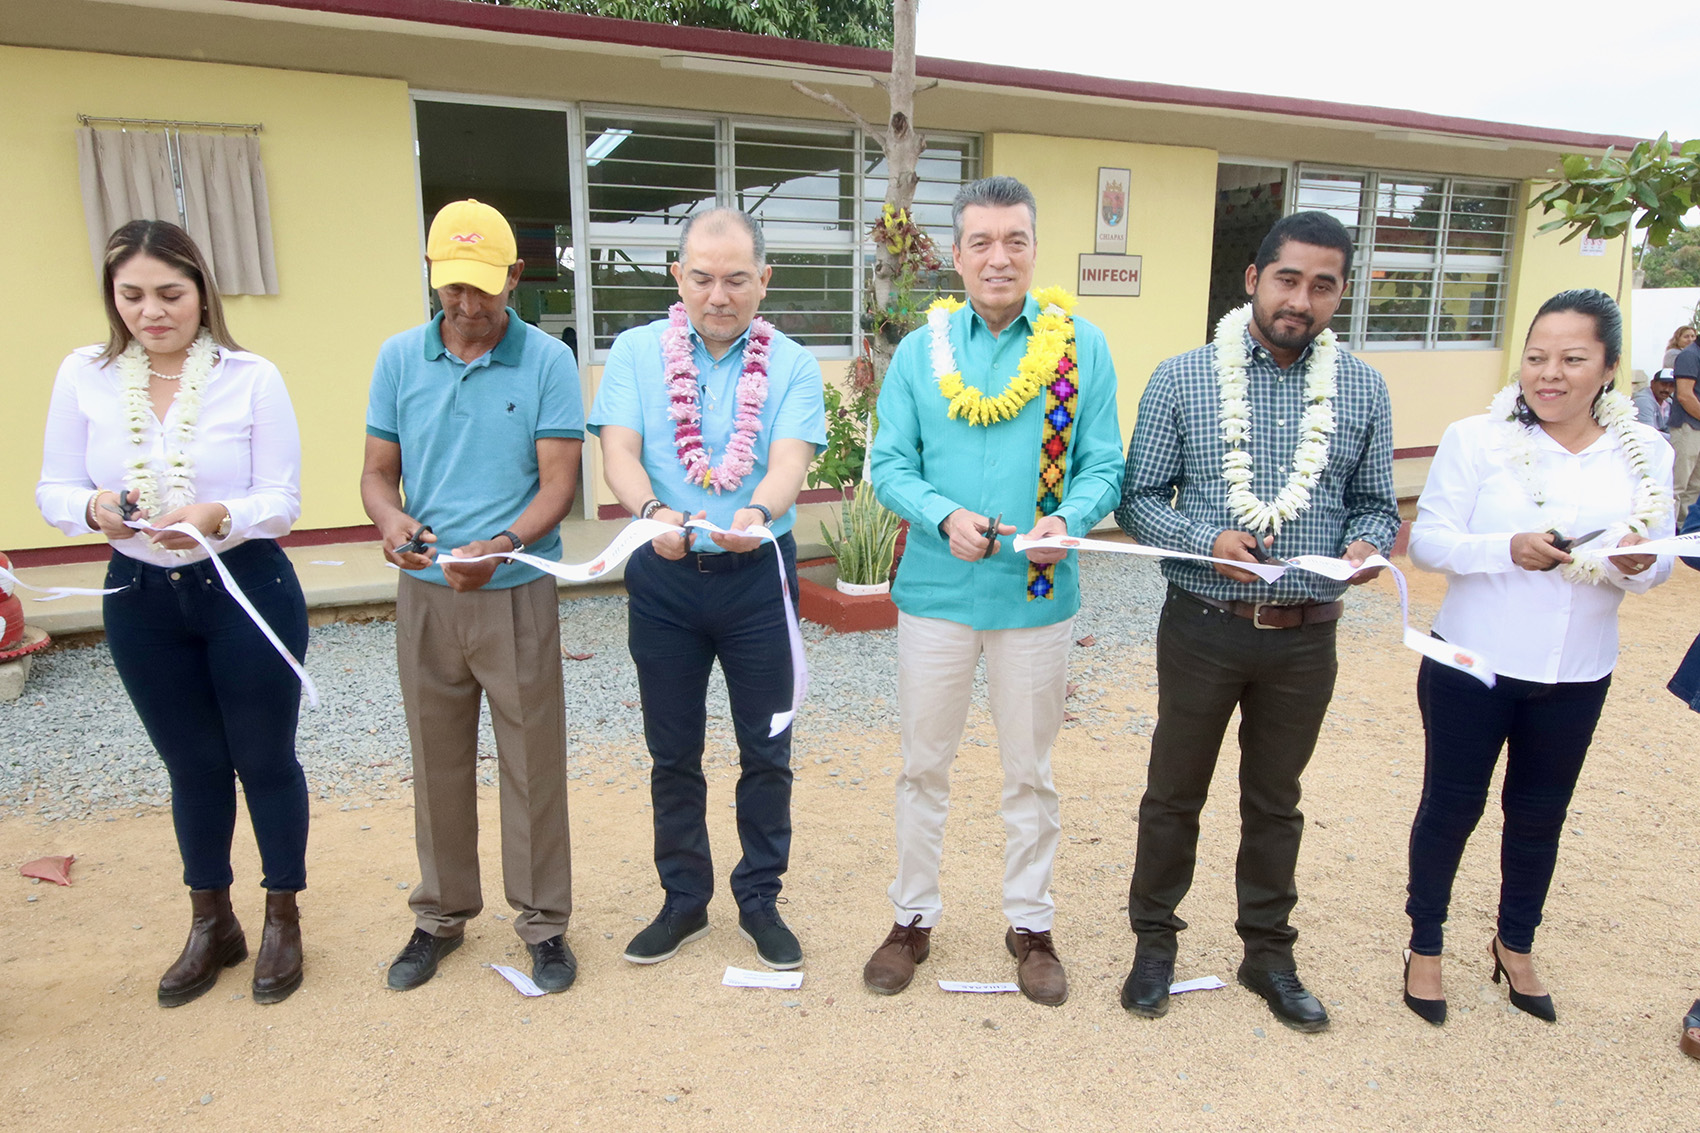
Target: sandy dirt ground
[{"x": 84, "y": 1046}]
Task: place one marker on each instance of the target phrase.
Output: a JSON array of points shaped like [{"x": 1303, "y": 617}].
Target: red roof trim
[{"x": 665, "y": 37}]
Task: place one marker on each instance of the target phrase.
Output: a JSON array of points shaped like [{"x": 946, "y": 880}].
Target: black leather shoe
[
  {"x": 1540, "y": 1006},
  {"x": 553, "y": 965},
  {"x": 1428, "y": 1010},
  {"x": 417, "y": 962},
  {"x": 1287, "y": 997},
  {"x": 670, "y": 929},
  {"x": 776, "y": 945},
  {"x": 1146, "y": 992}
]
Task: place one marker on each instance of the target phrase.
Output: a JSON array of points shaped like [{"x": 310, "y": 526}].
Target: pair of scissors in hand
[
  {"x": 1562, "y": 543},
  {"x": 991, "y": 534},
  {"x": 1262, "y": 555},
  {"x": 415, "y": 544}
]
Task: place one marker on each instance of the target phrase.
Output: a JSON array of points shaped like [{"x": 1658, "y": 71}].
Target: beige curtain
[{"x": 128, "y": 175}]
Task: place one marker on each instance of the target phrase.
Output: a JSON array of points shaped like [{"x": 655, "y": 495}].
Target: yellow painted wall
[
  {"x": 338, "y": 155},
  {"x": 1430, "y": 389},
  {"x": 1542, "y": 266},
  {"x": 1171, "y": 215}
]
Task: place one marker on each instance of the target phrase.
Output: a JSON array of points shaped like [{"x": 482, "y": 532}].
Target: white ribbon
[
  {"x": 640, "y": 531},
  {"x": 1340, "y": 570},
  {"x": 1670, "y": 545},
  {"x": 54, "y": 593}
]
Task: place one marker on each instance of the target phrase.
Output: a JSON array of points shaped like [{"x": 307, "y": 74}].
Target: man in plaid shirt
[{"x": 1213, "y": 653}]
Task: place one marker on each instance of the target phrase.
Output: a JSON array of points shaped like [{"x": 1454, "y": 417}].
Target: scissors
[
  {"x": 126, "y": 509},
  {"x": 991, "y": 534},
  {"x": 1262, "y": 555},
  {"x": 415, "y": 544},
  {"x": 1562, "y": 543}
]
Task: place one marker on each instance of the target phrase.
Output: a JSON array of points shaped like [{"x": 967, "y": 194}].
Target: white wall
[{"x": 1653, "y": 315}]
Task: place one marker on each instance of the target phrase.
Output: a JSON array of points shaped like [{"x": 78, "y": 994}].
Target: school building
[{"x": 596, "y": 137}]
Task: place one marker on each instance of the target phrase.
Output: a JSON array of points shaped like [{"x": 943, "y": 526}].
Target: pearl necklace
[
  {"x": 1311, "y": 455},
  {"x": 1647, "y": 500}
]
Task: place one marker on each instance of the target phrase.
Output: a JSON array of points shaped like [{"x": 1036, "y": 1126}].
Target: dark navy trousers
[
  {"x": 683, "y": 616},
  {"x": 1545, "y": 730},
  {"x": 218, "y": 702}
]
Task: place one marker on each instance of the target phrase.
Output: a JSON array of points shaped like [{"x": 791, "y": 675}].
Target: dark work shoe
[
  {"x": 417, "y": 962},
  {"x": 553, "y": 965},
  {"x": 892, "y": 966},
  {"x": 776, "y": 945},
  {"x": 1287, "y": 997},
  {"x": 1146, "y": 992},
  {"x": 670, "y": 929},
  {"x": 1038, "y": 969}
]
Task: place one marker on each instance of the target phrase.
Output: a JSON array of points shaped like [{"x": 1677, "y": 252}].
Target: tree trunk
[{"x": 902, "y": 144}]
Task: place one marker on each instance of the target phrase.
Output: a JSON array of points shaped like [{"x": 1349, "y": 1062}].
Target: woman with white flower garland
[
  {"x": 1520, "y": 507},
  {"x": 172, "y": 422}
]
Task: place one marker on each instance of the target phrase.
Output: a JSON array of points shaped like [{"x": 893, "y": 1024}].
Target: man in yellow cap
[{"x": 473, "y": 432}]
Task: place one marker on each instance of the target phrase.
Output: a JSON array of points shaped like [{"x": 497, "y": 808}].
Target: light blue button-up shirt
[
  {"x": 926, "y": 465},
  {"x": 633, "y": 394}
]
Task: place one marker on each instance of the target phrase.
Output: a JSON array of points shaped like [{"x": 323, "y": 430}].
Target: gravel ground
[{"x": 74, "y": 747}]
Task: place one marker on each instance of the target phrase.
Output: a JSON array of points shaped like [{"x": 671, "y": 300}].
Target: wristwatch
[
  {"x": 512, "y": 538},
  {"x": 223, "y": 531},
  {"x": 651, "y": 508}
]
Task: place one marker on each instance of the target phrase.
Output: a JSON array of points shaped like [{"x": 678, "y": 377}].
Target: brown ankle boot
[
  {"x": 215, "y": 941},
  {"x": 277, "y": 972}
]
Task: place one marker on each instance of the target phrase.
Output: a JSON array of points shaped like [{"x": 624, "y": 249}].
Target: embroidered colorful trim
[{"x": 1062, "y": 397}]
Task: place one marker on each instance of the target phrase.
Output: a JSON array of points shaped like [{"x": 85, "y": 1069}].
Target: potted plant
[{"x": 867, "y": 535}]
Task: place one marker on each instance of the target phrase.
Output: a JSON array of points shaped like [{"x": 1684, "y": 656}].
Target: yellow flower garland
[{"x": 1045, "y": 346}]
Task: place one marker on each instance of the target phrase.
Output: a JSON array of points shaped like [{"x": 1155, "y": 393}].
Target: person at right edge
[
  {"x": 1520, "y": 505},
  {"x": 1270, "y": 438}
]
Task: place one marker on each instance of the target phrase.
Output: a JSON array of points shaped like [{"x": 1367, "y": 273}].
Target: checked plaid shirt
[{"x": 1173, "y": 494}]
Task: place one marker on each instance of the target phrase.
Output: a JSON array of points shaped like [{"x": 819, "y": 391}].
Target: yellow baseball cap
[{"x": 471, "y": 243}]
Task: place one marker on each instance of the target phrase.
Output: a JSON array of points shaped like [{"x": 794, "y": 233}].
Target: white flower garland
[
  {"x": 173, "y": 488},
  {"x": 1311, "y": 455},
  {"x": 1647, "y": 501}
]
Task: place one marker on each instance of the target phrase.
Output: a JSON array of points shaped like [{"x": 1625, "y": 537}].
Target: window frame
[{"x": 1437, "y": 267}]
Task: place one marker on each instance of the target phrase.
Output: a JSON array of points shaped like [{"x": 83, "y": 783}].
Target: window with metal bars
[{"x": 1433, "y": 255}]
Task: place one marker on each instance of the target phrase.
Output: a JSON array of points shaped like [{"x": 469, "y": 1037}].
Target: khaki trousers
[
  {"x": 452, "y": 649},
  {"x": 1027, "y": 678},
  {"x": 1686, "y": 474}
]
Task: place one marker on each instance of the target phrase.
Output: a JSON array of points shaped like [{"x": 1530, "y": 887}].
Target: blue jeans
[
  {"x": 218, "y": 702},
  {"x": 683, "y": 615},
  {"x": 1545, "y": 731}
]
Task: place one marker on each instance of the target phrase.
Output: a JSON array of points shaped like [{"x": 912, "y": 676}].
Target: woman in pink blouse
[{"x": 171, "y": 422}]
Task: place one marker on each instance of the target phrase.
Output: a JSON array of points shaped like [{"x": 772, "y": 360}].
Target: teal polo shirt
[
  {"x": 925, "y": 466},
  {"x": 468, "y": 432},
  {"x": 633, "y": 394}
]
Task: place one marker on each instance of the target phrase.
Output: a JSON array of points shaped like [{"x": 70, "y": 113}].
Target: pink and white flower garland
[{"x": 685, "y": 403}]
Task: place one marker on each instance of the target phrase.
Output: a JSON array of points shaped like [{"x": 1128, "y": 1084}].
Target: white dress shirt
[
  {"x": 246, "y": 449},
  {"x": 1531, "y": 625}
]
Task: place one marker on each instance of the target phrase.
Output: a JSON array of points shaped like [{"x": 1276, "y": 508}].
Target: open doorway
[{"x": 1249, "y": 200}]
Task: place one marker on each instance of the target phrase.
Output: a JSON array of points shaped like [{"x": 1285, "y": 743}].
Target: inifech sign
[{"x": 1108, "y": 275}]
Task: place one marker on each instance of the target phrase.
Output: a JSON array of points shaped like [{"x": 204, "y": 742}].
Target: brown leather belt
[{"x": 1269, "y": 615}]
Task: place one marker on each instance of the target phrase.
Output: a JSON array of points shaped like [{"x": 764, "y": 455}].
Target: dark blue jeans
[
  {"x": 1545, "y": 731},
  {"x": 683, "y": 615},
  {"x": 218, "y": 702}
]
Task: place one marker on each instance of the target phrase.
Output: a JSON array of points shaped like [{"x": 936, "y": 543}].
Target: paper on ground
[
  {"x": 971, "y": 985},
  {"x": 1202, "y": 983},
  {"x": 325, "y": 562},
  {"x": 519, "y": 979},
  {"x": 743, "y": 977}
]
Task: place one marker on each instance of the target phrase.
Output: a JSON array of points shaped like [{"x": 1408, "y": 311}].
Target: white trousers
[{"x": 1027, "y": 674}]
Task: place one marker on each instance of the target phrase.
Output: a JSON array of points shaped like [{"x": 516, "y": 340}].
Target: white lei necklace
[
  {"x": 1647, "y": 500},
  {"x": 173, "y": 488},
  {"x": 1317, "y": 424}
]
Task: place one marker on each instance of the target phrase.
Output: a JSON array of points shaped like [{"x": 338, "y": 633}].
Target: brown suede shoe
[
  {"x": 892, "y": 965},
  {"x": 277, "y": 972},
  {"x": 1038, "y": 972},
  {"x": 215, "y": 942}
]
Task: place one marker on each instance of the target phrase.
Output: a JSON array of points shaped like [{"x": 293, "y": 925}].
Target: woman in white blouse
[
  {"x": 1519, "y": 507},
  {"x": 172, "y": 422}
]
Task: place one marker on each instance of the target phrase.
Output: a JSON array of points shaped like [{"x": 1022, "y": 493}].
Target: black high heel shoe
[
  {"x": 1428, "y": 1010},
  {"x": 1540, "y": 1006}
]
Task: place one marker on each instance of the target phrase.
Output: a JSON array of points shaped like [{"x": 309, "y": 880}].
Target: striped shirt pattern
[{"x": 1173, "y": 494}]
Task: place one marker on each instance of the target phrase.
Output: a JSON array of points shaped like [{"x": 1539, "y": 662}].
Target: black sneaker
[
  {"x": 417, "y": 962},
  {"x": 553, "y": 965},
  {"x": 670, "y": 929},
  {"x": 776, "y": 945}
]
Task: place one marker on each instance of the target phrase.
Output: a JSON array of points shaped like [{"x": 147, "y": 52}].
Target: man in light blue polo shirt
[
  {"x": 713, "y": 412},
  {"x": 473, "y": 436},
  {"x": 950, "y": 458}
]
